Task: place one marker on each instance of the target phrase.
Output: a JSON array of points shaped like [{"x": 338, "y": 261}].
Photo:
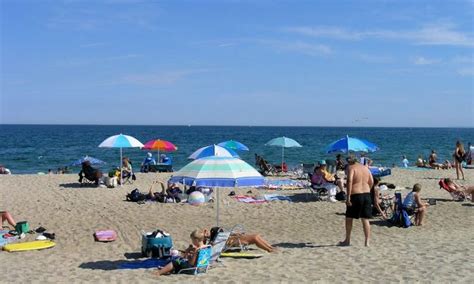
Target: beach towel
[
  {"x": 283, "y": 184},
  {"x": 273, "y": 197},
  {"x": 5, "y": 241},
  {"x": 249, "y": 199},
  {"x": 144, "y": 264}
]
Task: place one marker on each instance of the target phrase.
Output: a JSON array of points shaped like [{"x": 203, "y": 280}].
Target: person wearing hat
[
  {"x": 147, "y": 163},
  {"x": 323, "y": 179}
]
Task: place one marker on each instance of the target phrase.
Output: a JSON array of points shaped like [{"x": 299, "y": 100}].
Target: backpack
[{"x": 136, "y": 196}]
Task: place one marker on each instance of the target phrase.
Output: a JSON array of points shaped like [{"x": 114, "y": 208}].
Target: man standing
[{"x": 359, "y": 183}]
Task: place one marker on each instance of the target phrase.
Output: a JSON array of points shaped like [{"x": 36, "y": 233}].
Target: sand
[{"x": 305, "y": 232}]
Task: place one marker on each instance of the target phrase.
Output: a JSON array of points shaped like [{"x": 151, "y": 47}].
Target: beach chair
[
  {"x": 202, "y": 262},
  {"x": 402, "y": 216},
  {"x": 456, "y": 195},
  {"x": 316, "y": 190},
  {"x": 331, "y": 166},
  {"x": 266, "y": 168},
  {"x": 218, "y": 245}
]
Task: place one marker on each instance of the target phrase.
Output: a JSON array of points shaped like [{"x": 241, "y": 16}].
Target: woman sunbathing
[
  {"x": 461, "y": 189},
  {"x": 168, "y": 195},
  {"x": 238, "y": 239}
]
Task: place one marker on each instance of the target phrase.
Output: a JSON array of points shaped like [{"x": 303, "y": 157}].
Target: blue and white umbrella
[
  {"x": 121, "y": 141},
  {"x": 351, "y": 144},
  {"x": 283, "y": 142},
  {"x": 213, "y": 150},
  {"x": 218, "y": 172},
  {"x": 233, "y": 145},
  {"x": 91, "y": 160}
]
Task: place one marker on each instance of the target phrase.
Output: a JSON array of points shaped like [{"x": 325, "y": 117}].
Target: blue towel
[
  {"x": 147, "y": 263},
  {"x": 273, "y": 197}
]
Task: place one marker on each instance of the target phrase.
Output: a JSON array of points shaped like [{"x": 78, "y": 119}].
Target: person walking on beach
[
  {"x": 458, "y": 158},
  {"x": 359, "y": 203}
]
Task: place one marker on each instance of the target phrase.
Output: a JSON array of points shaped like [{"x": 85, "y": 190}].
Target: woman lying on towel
[
  {"x": 238, "y": 239},
  {"x": 464, "y": 189},
  {"x": 169, "y": 195}
]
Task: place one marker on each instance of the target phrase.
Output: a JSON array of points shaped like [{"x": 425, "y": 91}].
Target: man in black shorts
[{"x": 359, "y": 203}]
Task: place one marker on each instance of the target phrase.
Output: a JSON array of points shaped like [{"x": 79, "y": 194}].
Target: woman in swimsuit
[{"x": 458, "y": 158}]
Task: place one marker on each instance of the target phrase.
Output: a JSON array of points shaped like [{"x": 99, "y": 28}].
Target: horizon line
[{"x": 231, "y": 125}]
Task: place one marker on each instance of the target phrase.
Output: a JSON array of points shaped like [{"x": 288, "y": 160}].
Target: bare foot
[
  {"x": 344, "y": 243},
  {"x": 367, "y": 244}
]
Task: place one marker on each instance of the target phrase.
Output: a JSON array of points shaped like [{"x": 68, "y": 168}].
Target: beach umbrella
[
  {"x": 233, "y": 145},
  {"x": 218, "y": 172},
  {"x": 212, "y": 150},
  {"x": 160, "y": 145},
  {"x": 91, "y": 160},
  {"x": 351, "y": 144},
  {"x": 121, "y": 141},
  {"x": 283, "y": 142}
]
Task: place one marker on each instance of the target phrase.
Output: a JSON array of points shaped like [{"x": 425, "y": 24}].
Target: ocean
[{"x": 37, "y": 148}]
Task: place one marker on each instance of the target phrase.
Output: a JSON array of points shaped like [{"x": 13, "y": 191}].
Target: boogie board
[
  {"x": 105, "y": 236},
  {"x": 34, "y": 245},
  {"x": 241, "y": 254}
]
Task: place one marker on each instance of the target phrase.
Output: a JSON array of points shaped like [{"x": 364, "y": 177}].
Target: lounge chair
[
  {"x": 202, "y": 262},
  {"x": 266, "y": 168},
  {"x": 456, "y": 195}
]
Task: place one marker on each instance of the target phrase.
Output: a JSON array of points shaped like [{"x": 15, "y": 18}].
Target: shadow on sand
[{"x": 301, "y": 245}]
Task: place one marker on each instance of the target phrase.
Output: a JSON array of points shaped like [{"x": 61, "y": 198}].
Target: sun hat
[
  {"x": 149, "y": 154},
  {"x": 322, "y": 162},
  {"x": 383, "y": 187}
]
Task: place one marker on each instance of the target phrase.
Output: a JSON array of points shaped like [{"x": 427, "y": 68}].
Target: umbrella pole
[
  {"x": 217, "y": 214},
  {"x": 282, "y": 157},
  {"x": 158, "y": 157},
  {"x": 120, "y": 165}
]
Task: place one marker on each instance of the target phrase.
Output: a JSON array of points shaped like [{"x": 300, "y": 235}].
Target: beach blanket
[
  {"x": 417, "y": 169},
  {"x": 5, "y": 241},
  {"x": 144, "y": 264},
  {"x": 283, "y": 184},
  {"x": 249, "y": 199},
  {"x": 273, "y": 197}
]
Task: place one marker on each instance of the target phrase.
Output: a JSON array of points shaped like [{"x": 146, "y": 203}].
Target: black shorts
[{"x": 361, "y": 206}]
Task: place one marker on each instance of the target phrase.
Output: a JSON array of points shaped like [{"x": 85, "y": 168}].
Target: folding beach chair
[
  {"x": 316, "y": 190},
  {"x": 331, "y": 166},
  {"x": 402, "y": 216},
  {"x": 218, "y": 245},
  {"x": 202, "y": 262},
  {"x": 308, "y": 169},
  {"x": 456, "y": 195}
]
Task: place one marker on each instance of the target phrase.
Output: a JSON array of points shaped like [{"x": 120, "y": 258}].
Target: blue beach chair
[
  {"x": 400, "y": 215},
  {"x": 202, "y": 262}
]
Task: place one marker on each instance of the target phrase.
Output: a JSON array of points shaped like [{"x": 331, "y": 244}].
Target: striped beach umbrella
[
  {"x": 234, "y": 145},
  {"x": 121, "y": 141},
  {"x": 160, "y": 145},
  {"x": 218, "y": 172},
  {"x": 351, "y": 144},
  {"x": 213, "y": 150}
]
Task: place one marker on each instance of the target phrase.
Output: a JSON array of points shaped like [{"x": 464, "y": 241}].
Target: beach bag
[
  {"x": 136, "y": 196},
  {"x": 22, "y": 227},
  {"x": 111, "y": 182},
  {"x": 157, "y": 244},
  {"x": 341, "y": 196}
]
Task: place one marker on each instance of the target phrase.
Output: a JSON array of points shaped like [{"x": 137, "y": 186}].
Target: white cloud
[
  {"x": 420, "y": 60},
  {"x": 310, "y": 49},
  {"x": 431, "y": 34},
  {"x": 161, "y": 78},
  {"x": 468, "y": 71}
]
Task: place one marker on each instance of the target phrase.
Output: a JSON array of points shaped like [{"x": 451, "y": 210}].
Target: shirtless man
[{"x": 359, "y": 203}]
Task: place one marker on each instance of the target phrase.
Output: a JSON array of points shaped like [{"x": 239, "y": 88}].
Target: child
[
  {"x": 413, "y": 204},
  {"x": 188, "y": 257}
]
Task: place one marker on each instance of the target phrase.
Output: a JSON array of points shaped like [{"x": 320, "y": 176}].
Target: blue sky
[{"x": 301, "y": 63}]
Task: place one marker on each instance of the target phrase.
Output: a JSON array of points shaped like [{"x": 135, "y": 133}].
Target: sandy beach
[{"x": 304, "y": 231}]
